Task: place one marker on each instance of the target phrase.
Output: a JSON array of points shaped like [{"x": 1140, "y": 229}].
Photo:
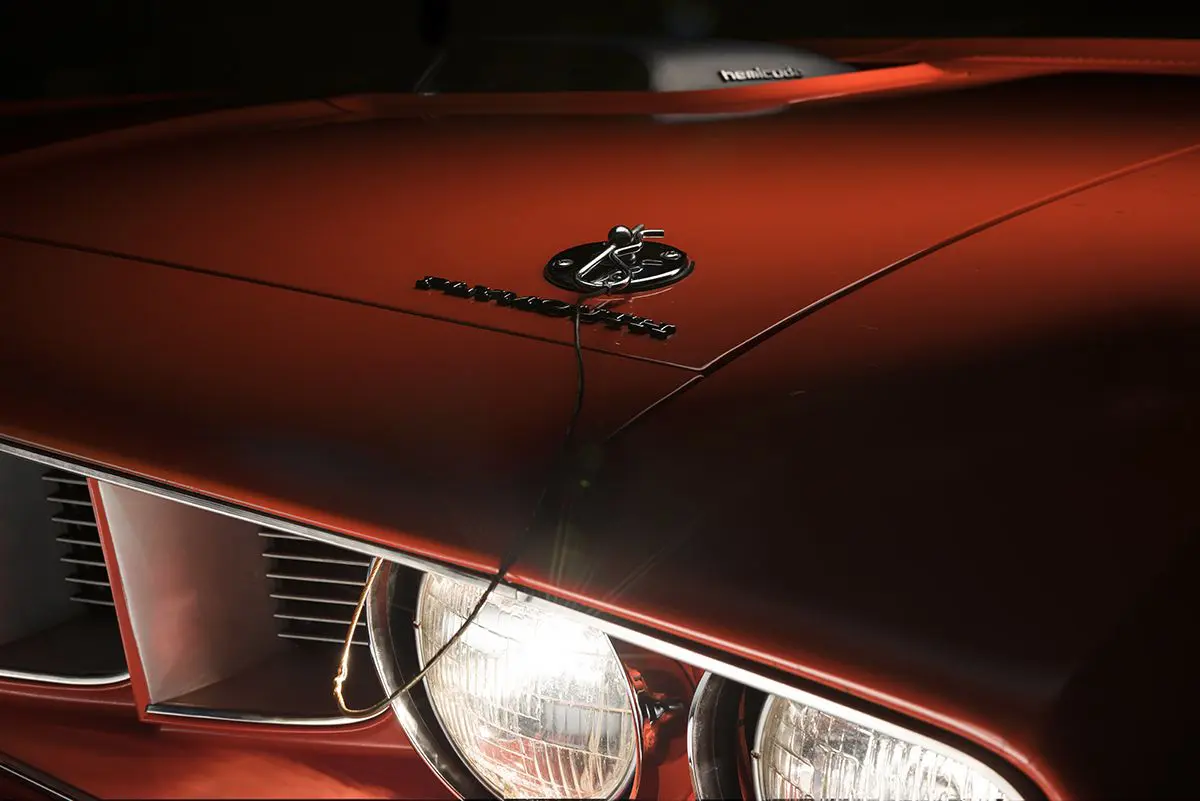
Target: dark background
[{"x": 71, "y": 48}]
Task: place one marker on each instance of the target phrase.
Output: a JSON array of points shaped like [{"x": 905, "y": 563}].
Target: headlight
[
  {"x": 802, "y": 752},
  {"x": 537, "y": 705}
]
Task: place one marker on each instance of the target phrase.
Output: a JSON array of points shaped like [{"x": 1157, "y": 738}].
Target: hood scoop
[{"x": 603, "y": 64}]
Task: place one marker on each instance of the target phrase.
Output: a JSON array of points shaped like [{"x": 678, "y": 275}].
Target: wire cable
[{"x": 616, "y": 281}]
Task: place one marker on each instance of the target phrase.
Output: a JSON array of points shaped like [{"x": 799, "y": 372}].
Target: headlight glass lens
[
  {"x": 538, "y": 705},
  {"x": 806, "y": 753}
]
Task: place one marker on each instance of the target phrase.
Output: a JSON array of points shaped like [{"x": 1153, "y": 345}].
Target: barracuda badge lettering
[
  {"x": 623, "y": 263},
  {"x": 548, "y": 306}
]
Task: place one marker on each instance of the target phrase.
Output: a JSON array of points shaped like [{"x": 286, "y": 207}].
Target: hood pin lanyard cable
[{"x": 623, "y": 277}]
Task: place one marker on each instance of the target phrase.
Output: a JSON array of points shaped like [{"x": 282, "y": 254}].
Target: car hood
[
  {"x": 777, "y": 212},
  {"x": 233, "y": 312}
]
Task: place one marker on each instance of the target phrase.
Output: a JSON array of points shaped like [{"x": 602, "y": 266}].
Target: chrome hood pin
[{"x": 624, "y": 263}]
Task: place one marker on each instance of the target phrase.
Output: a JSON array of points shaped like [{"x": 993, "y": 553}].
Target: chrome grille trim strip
[
  {"x": 71, "y": 560},
  {"x": 79, "y": 599},
  {"x": 295, "y": 557},
  {"x": 314, "y": 619},
  {"x": 279, "y": 535},
  {"x": 310, "y": 599},
  {"x": 77, "y": 541},
  {"x": 55, "y": 479},
  {"x": 74, "y": 521},
  {"x": 233, "y": 716},
  {"x": 287, "y": 635},
  {"x": 68, "y": 681},
  {"x": 89, "y": 582},
  {"x": 313, "y": 579},
  {"x": 69, "y": 501}
]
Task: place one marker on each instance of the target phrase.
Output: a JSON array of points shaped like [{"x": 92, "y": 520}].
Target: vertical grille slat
[
  {"x": 71, "y": 508},
  {"x": 315, "y": 587}
]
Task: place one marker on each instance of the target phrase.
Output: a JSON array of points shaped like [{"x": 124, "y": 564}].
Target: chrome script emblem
[
  {"x": 548, "y": 307},
  {"x": 760, "y": 74},
  {"x": 624, "y": 263}
]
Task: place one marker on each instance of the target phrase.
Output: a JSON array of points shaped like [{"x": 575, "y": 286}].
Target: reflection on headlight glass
[
  {"x": 804, "y": 753},
  {"x": 538, "y": 705}
]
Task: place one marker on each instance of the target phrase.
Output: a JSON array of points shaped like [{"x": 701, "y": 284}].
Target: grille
[
  {"x": 75, "y": 519},
  {"x": 315, "y": 586}
]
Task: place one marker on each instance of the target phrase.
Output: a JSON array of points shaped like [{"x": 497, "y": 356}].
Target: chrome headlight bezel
[
  {"x": 394, "y": 652},
  {"x": 726, "y": 725}
]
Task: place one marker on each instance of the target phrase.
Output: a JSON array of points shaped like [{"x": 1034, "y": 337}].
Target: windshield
[{"x": 61, "y": 49}]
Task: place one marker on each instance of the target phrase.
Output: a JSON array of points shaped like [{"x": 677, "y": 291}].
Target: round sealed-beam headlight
[
  {"x": 537, "y": 705},
  {"x": 804, "y": 752}
]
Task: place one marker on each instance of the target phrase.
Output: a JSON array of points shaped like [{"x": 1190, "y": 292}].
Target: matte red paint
[
  {"x": 938, "y": 457},
  {"x": 957, "y": 371},
  {"x": 115, "y": 698},
  {"x": 778, "y": 211}
]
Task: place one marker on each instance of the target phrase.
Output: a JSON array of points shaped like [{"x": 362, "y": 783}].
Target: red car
[{"x": 614, "y": 419}]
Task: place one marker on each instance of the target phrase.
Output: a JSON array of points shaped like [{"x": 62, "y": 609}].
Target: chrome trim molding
[
  {"x": 70, "y": 681},
  {"x": 234, "y": 716},
  {"x": 761, "y": 677},
  {"x": 713, "y": 763},
  {"x": 45, "y": 783},
  {"x": 755, "y": 771},
  {"x": 413, "y": 709}
]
